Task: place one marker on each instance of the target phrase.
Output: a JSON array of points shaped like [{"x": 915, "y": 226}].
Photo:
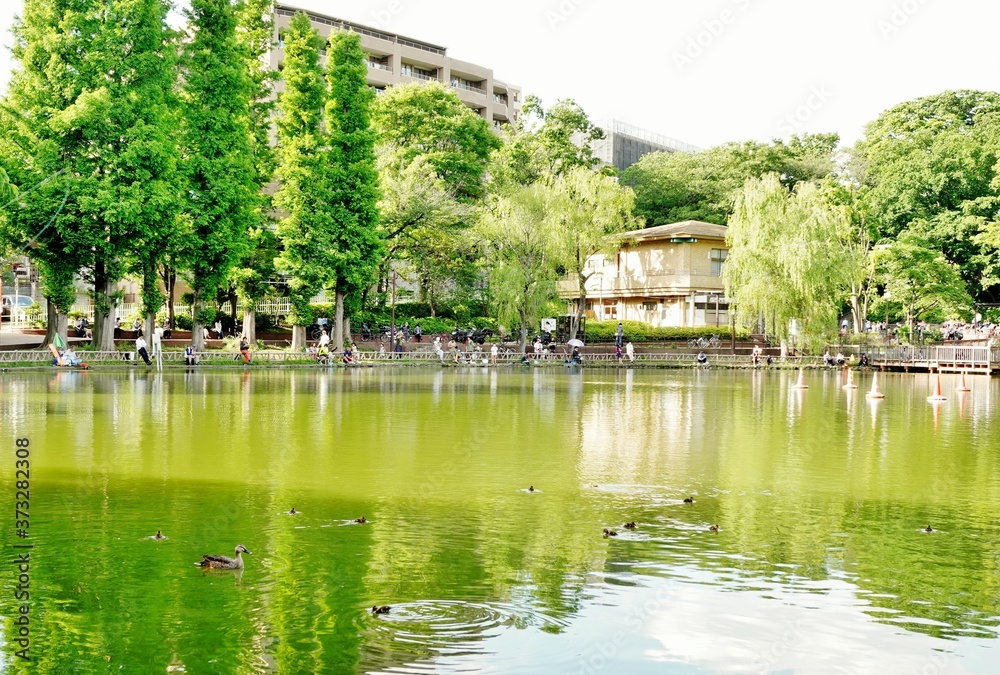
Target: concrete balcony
[{"x": 671, "y": 282}]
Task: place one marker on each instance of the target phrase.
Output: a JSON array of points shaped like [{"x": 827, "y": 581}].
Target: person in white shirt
[
  {"x": 140, "y": 348},
  {"x": 630, "y": 351},
  {"x": 494, "y": 352},
  {"x": 324, "y": 338},
  {"x": 218, "y": 329}
]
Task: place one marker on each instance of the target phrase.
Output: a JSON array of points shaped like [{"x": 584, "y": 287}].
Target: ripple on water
[{"x": 412, "y": 635}]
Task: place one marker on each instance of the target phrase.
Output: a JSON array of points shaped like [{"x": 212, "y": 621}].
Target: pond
[{"x": 821, "y": 562}]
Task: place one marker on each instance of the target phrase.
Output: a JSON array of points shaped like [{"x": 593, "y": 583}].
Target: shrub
[
  {"x": 183, "y": 322},
  {"x": 636, "y": 331}
]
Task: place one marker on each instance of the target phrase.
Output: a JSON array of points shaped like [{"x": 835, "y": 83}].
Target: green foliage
[
  {"x": 206, "y": 316},
  {"x": 183, "y": 322},
  {"x": 636, "y": 331},
  {"x": 786, "y": 260},
  {"x": 673, "y": 187},
  {"x": 430, "y": 121}
]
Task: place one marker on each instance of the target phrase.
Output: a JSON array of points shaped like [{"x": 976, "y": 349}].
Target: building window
[
  {"x": 718, "y": 256},
  {"x": 649, "y": 306}
]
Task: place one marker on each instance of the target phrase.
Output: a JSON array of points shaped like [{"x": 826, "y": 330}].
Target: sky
[{"x": 702, "y": 72}]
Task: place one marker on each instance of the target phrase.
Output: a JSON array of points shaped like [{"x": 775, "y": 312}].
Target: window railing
[
  {"x": 419, "y": 75},
  {"x": 379, "y": 66},
  {"x": 460, "y": 84}
]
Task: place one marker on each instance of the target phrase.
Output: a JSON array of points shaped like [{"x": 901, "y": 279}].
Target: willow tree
[
  {"x": 220, "y": 177},
  {"x": 786, "y": 258},
  {"x": 518, "y": 251},
  {"x": 305, "y": 195},
  {"x": 585, "y": 210},
  {"x": 357, "y": 242}
]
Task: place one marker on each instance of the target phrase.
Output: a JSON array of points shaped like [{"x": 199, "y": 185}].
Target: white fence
[{"x": 273, "y": 307}]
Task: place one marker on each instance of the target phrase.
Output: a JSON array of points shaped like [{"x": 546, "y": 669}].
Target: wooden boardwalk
[{"x": 981, "y": 360}]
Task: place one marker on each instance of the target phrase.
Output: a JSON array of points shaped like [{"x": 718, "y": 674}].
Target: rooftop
[
  {"x": 288, "y": 10},
  {"x": 686, "y": 229}
]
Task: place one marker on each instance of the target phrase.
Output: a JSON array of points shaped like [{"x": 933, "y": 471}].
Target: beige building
[
  {"x": 665, "y": 276},
  {"x": 394, "y": 59}
]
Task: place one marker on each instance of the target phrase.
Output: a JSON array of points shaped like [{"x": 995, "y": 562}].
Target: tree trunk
[
  {"x": 56, "y": 323},
  {"x": 338, "y": 327},
  {"x": 148, "y": 328},
  {"x": 732, "y": 329},
  {"x": 524, "y": 334},
  {"x": 250, "y": 323},
  {"x": 171, "y": 287},
  {"x": 233, "y": 301},
  {"x": 197, "y": 330},
  {"x": 347, "y": 331},
  {"x": 298, "y": 338},
  {"x": 581, "y": 308},
  {"x": 104, "y": 312},
  {"x": 857, "y": 314}
]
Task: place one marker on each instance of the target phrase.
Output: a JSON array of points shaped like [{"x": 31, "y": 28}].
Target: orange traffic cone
[
  {"x": 850, "y": 380},
  {"x": 801, "y": 384},
  {"x": 963, "y": 386},
  {"x": 875, "y": 393},
  {"x": 937, "y": 397}
]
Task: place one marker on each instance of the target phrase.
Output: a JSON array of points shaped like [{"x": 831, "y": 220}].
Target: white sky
[{"x": 831, "y": 66}]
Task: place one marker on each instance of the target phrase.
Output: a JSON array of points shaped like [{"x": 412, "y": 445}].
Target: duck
[
  {"x": 689, "y": 500},
  {"x": 380, "y": 609},
  {"x": 609, "y": 533},
  {"x": 222, "y": 562},
  {"x": 629, "y": 525},
  {"x": 158, "y": 536},
  {"x": 361, "y": 521},
  {"x": 531, "y": 488},
  {"x": 293, "y": 512},
  {"x": 713, "y": 528},
  {"x": 928, "y": 529}
]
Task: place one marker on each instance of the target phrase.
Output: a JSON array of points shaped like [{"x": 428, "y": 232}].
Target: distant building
[
  {"x": 665, "y": 276},
  {"x": 394, "y": 59},
  {"x": 623, "y": 144}
]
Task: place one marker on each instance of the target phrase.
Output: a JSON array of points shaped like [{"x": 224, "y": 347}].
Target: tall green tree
[
  {"x": 673, "y": 187},
  {"x": 357, "y": 242},
  {"x": 305, "y": 195},
  {"x": 785, "y": 259},
  {"x": 518, "y": 252},
  {"x": 221, "y": 180},
  {"x": 584, "y": 210}
]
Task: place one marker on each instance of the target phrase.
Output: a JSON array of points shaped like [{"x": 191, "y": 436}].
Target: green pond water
[{"x": 820, "y": 564}]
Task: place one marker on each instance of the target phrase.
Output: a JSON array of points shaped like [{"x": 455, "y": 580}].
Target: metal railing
[
  {"x": 379, "y": 66},
  {"x": 467, "y": 86},
  {"x": 272, "y": 307}
]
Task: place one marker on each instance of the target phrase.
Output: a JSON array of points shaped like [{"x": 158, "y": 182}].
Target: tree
[
  {"x": 785, "y": 261},
  {"x": 517, "y": 249},
  {"x": 585, "y": 209},
  {"x": 305, "y": 195},
  {"x": 357, "y": 242},
  {"x": 929, "y": 166},
  {"x": 673, "y": 187},
  {"x": 920, "y": 279},
  {"x": 220, "y": 176},
  {"x": 430, "y": 120}
]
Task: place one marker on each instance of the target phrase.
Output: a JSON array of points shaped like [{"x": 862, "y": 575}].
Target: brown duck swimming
[
  {"x": 221, "y": 562},
  {"x": 713, "y": 528},
  {"x": 158, "y": 536},
  {"x": 689, "y": 500},
  {"x": 609, "y": 533},
  {"x": 629, "y": 525},
  {"x": 381, "y": 609},
  {"x": 293, "y": 512},
  {"x": 928, "y": 529},
  {"x": 361, "y": 521}
]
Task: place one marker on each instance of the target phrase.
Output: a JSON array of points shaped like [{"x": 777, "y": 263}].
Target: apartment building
[
  {"x": 394, "y": 59},
  {"x": 665, "y": 276}
]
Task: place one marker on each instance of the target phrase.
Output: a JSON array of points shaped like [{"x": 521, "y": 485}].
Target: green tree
[
  {"x": 357, "y": 241},
  {"x": 305, "y": 195},
  {"x": 920, "y": 279},
  {"x": 785, "y": 259},
  {"x": 221, "y": 180},
  {"x": 430, "y": 120},
  {"x": 584, "y": 210},
  {"x": 518, "y": 250},
  {"x": 929, "y": 166},
  {"x": 677, "y": 186}
]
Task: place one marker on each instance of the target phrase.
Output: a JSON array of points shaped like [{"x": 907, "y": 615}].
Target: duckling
[
  {"x": 689, "y": 500},
  {"x": 221, "y": 562},
  {"x": 158, "y": 536},
  {"x": 630, "y": 525},
  {"x": 293, "y": 512},
  {"x": 928, "y": 529},
  {"x": 361, "y": 521},
  {"x": 593, "y": 485},
  {"x": 609, "y": 533},
  {"x": 531, "y": 488},
  {"x": 713, "y": 528},
  {"x": 380, "y": 609}
]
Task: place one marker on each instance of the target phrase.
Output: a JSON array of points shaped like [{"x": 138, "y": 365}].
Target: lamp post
[{"x": 392, "y": 322}]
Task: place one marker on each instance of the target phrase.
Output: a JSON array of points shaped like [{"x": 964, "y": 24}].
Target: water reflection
[{"x": 820, "y": 495}]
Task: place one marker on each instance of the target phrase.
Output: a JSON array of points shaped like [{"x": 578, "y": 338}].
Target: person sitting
[
  {"x": 827, "y": 359},
  {"x": 140, "y": 349},
  {"x": 348, "y": 354},
  {"x": 575, "y": 357},
  {"x": 70, "y": 358},
  {"x": 863, "y": 360},
  {"x": 525, "y": 360},
  {"x": 245, "y": 349},
  {"x": 755, "y": 355},
  {"x": 841, "y": 359},
  {"x": 167, "y": 331},
  {"x": 702, "y": 359},
  {"x": 189, "y": 358},
  {"x": 323, "y": 355}
]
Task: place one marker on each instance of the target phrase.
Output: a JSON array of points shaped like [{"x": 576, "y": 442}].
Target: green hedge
[{"x": 636, "y": 331}]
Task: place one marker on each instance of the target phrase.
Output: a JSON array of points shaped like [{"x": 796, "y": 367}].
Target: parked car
[{"x": 22, "y": 302}]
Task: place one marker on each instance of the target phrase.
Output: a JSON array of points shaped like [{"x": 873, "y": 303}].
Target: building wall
[{"x": 394, "y": 59}]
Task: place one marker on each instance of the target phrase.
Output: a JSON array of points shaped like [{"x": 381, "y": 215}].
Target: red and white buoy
[
  {"x": 875, "y": 393},
  {"x": 850, "y": 380},
  {"x": 937, "y": 397},
  {"x": 801, "y": 383},
  {"x": 963, "y": 386}
]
